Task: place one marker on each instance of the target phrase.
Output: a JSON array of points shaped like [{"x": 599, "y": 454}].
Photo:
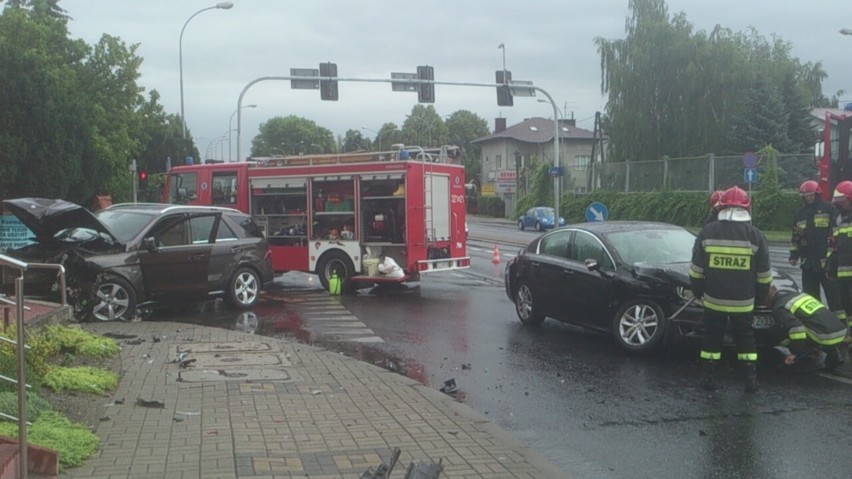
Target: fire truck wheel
[
  {"x": 243, "y": 289},
  {"x": 339, "y": 262}
]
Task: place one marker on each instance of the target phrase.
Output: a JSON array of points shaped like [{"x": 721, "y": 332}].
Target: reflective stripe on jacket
[
  {"x": 804, "y": 317},
  {"x": 730, "y": 266}
]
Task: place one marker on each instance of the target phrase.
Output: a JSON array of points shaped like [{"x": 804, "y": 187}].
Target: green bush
[
  {"x": 74, "y": 441},
  {"x": 36, "y": 405},
  {"x": 80, "y": 341},
  {"x": 84, "y": 379},
  {"x": 772, "y": 210},
  {"x": 9, "y": 368}
]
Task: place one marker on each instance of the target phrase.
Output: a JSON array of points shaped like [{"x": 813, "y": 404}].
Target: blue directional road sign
[
  {"x": 597, "y": 212},
  {"x": 750, "y": 160},
  {"x": 749, "y": 175}
]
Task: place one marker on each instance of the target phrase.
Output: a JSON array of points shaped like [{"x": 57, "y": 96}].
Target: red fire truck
[
  {"x": 833, "y": 158},
  {"x": 344, "y": 214}
]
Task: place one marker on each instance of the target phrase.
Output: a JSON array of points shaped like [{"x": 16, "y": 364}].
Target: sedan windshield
[
  {"x": 123, "y": 224},
  {"x": 653, "y": 246},
  {"x": 546, "y": 211}
]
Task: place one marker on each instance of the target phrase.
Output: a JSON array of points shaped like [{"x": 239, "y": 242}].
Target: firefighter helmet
[
  {"x": 714, "y": 198},
  {"x": 735, "y": 196},
  {"x": 842, "y": 191},
  {"x": 810, "y": 187}
]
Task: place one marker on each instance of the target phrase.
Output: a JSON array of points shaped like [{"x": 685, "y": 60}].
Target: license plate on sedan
[{"x": 762, "y": 322}]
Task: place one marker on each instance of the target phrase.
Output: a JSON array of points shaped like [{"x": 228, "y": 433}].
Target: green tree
[
  {"x": 424, "y": 127},
  {"x": 463, "y": 127},
  {"x": 674, "y": 92},
  {"x": 292, "y": 135},
  {"x": 353, "y": 140},
  {"x": 762, "y": 122},
  {"x": 69, "y": 119},
  {"x": 388, "y": 135}
]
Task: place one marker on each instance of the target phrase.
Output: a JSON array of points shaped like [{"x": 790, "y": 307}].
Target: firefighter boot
[
  {"x": 750, "y": 377},
  {"x": 708, "y": 376}
]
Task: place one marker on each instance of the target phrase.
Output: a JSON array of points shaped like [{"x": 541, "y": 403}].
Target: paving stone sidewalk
[{"x": 255, "y": 407}]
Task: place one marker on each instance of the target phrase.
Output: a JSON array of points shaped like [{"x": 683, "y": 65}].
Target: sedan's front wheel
[
  {"x": 639, "y": 326},
  {"x": 243, "y": 289},
  {"x": 525, "y": 306}
]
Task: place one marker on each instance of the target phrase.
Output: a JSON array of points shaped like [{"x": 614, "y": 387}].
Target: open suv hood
[{"x": 46, "y": 217}]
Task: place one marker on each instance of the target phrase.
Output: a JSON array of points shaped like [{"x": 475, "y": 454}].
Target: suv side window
[
  {"x": 173, "y": 235},
  {"x": 225, "y": 233},
  {"x": 200, "y": 228}
]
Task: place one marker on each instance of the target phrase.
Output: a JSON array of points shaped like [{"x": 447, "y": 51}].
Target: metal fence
[{"x": 704, "y": 173}]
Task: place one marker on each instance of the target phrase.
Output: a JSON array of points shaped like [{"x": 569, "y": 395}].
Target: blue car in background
[{"x": 540, "y": 218}]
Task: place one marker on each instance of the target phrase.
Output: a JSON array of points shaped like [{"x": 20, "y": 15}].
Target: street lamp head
[
  {"x": 224, "y": 5},
  {"x": 250, "y": 106},
  {"x": 846, "y": 31}
]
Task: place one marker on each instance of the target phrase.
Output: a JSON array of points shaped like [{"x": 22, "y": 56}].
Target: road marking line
[{"x": 836, "y": 378}]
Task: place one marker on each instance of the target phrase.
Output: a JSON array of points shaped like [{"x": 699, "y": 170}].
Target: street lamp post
[
  {"x": 230, "y": 128},
  {"x": 378, "y": 136},
  {"x": 221, "y": 6}
]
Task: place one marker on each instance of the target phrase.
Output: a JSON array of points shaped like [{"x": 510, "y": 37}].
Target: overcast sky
[{"x": 549, "y": 42}]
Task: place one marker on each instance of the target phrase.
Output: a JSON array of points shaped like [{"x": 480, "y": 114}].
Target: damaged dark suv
[{"x": 132, "y": 257}]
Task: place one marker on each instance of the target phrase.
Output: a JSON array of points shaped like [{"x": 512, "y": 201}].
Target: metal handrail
[{"x": 22, "y": 267}]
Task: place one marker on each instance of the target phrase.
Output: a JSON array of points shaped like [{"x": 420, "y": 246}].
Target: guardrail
[{"x": 22, "y": 386}]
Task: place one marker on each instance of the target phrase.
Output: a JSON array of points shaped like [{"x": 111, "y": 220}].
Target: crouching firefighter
[
  {"x": 730, "y": 271},
  {"x": 806, "y": 329}
]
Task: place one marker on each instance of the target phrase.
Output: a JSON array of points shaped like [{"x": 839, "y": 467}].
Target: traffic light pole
[
  {"x": 135, "y": 178},
  {"x": 526, "y": 86}
]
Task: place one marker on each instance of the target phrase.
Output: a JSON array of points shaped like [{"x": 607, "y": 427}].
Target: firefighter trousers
[
  {"x": 715, "y": 325},
  {"x": 844, "y": 288},
  {"x": 813, "y": 280}
]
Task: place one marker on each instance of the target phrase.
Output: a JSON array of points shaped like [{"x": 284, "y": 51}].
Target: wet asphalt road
[{"x": 570, "y": 394}]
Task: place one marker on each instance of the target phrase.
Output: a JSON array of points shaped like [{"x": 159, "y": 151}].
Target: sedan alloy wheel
[
  {"x": 639, "y": 326},
  {"x": 525, "y": 306}
]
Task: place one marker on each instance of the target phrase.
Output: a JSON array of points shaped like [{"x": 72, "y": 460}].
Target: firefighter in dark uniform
[
  {"x": 809, "y": 244},
  {"x": 714, "y": 208},
  {"x": 730, "y": 271},
  {"x": 840, "y": 252},
  {"x": 804, "y": 326}
]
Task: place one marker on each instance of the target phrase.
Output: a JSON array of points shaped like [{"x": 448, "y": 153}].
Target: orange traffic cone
[{"x": 495, "y": 255}]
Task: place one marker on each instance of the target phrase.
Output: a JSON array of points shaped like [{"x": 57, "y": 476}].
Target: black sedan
[
  {"x": 133, "y": 258},
  {"x": 629, "y": 278}
]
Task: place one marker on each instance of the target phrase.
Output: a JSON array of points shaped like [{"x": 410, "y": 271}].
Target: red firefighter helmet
[
  {"x": 735, "y": 196},
  {"x": 714, "y": 198},
  {"x": 842, "y": 191},
  {"x": 810, "y": 187}
]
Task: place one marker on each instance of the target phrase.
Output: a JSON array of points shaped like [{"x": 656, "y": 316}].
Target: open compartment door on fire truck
[
  {"x": 280, "y": 208},
  {"x": 383, "y": 209},
  {"x": 437, "y": 191}
]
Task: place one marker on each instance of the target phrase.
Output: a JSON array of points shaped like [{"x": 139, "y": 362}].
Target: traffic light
[
  {"x": 328, "y": 88},
  {"x": 504, "y": 96},
  {"x": 426, "y": 92},
  {"x": 143, "y": 178}
]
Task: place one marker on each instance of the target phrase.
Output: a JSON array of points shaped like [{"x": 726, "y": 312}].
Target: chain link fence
[{"x": 703, "y": 173}]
